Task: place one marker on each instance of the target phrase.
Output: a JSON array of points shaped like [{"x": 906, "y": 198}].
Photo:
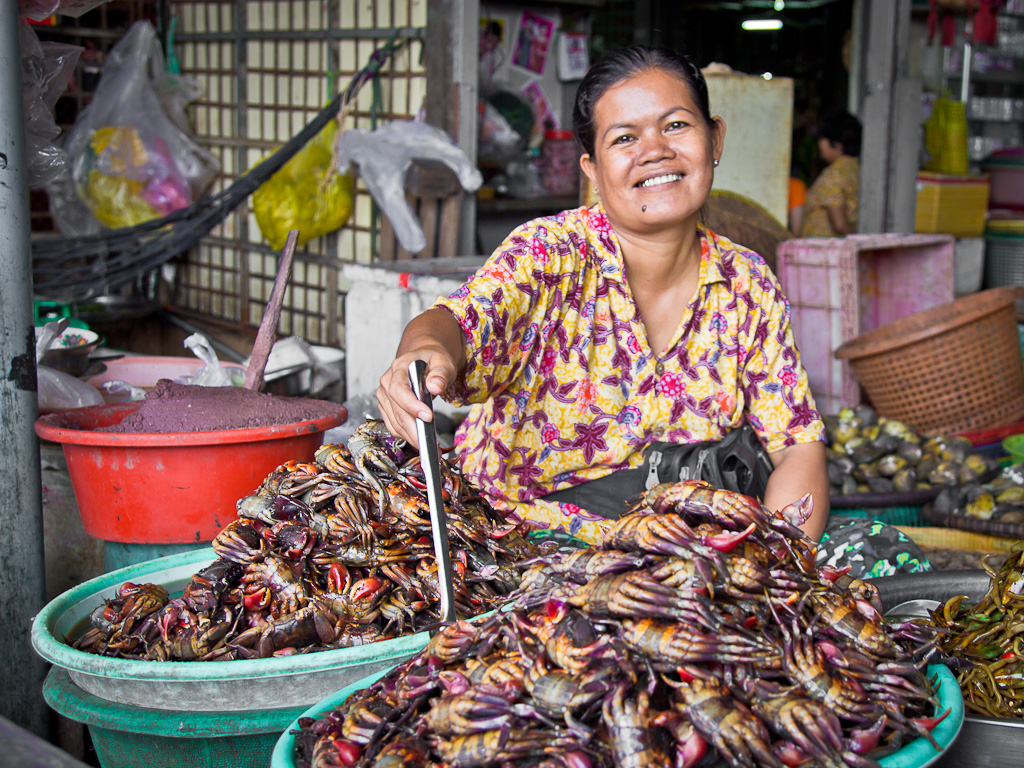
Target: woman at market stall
[
  {"x": 589, "y": 335},
  {"x": 830, "y": 207}
]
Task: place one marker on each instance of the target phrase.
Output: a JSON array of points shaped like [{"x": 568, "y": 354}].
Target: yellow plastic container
[{"x": 954, "y": 205}]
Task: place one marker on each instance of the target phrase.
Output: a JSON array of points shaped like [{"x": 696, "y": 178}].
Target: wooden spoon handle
[{"x": 265, "y": 336}]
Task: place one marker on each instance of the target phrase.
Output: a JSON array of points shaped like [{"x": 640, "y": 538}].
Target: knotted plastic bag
[
  {"x": 212, "y": 374},
  {"x": 130, "y": 161},
  {"x": 306, "y": 194}
]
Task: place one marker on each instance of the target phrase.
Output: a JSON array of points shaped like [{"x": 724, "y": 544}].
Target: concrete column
[{"x": 22, "y": 588}]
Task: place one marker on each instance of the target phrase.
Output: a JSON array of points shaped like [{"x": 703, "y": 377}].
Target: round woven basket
[{"x": 947, "y": 369}]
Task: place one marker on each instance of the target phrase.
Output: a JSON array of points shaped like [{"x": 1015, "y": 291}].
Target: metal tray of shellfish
[{"x": 984, "y": 742}]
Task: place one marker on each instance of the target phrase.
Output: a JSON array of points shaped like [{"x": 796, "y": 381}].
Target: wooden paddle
[{"x": 265, "y": 336}]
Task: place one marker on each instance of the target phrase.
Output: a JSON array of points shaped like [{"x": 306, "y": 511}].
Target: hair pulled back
[
  {"x": 618, "y": 65},
  {"x": 842, "y": 128}
]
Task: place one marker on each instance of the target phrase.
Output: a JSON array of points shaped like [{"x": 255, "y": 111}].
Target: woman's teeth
[{"x": 668, "y": 177}]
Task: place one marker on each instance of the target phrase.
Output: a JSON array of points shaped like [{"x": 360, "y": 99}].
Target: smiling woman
[{"x": 592, "y": 334}]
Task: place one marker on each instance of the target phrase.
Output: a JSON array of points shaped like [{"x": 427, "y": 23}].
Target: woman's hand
[
  {"x": 800, "y": 469},
  {"x": 435, "y": 338}
]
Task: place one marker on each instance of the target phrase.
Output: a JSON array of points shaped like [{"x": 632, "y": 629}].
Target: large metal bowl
[{"x": 984, "y": 742}]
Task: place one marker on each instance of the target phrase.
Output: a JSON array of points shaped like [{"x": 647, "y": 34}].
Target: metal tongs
[{"x": 430, "y": 460}]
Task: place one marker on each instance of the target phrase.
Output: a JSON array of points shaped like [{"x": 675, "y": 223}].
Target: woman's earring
[
  {"x": 596, "y": 190},
  {"x": 715, "y": 163}
]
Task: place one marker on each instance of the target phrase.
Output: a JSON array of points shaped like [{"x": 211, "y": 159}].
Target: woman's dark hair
[
  {"x": 842, "y": 128},
  {"x": 616, "y": 66}
]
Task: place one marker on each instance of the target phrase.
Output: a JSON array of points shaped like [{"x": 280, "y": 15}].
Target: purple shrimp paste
[{"x": 173, "y": 407}]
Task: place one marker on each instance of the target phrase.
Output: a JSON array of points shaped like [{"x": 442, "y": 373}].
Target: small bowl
[
  {"x": 1014, "y": 445},
  {"x": 70, "y": 351}
]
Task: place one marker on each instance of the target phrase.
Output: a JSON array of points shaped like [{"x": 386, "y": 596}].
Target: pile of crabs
[
  {"x": 700, "y": 628},
  {"x": 324, "y": 555}
]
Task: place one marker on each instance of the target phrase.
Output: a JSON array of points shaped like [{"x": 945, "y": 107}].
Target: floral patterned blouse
[
  {"x": 565, "y": 387},
  {"x": 837, "y": 185}
]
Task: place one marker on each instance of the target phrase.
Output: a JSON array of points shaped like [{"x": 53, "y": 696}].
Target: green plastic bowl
[
  {"x": 218, "y": 686},
  {"x": 917, "y": 754},
  {"x": 1014, "y": 446}
]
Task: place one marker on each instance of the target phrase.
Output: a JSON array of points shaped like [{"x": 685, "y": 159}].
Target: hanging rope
[{"x": 80, "y": 268}]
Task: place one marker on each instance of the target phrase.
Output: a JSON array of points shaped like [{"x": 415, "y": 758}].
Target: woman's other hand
[
  {"x": 800, "y": 469},
  {"x": 435, "y": 338}
]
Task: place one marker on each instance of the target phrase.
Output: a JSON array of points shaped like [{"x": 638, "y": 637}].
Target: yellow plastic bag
[
  {"x": 945, "y": 137},
  {"x": 307, "y": 194}
]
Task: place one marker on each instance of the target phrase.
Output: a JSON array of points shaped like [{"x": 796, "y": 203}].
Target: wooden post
[
  {"x": 889, "y": 112},
  {"x": 22, "y": 575}
]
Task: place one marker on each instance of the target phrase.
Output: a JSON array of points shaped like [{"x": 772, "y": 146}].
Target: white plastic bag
[
  {"x": 212, "y": 374},
  {"x": 383, "y": 157}
]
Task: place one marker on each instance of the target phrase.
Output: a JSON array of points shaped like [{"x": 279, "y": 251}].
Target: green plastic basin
[
  {"x": 917, "y": 754},
  {"x": 127, "y": 736},
  {"x": 202, "y": 686}
]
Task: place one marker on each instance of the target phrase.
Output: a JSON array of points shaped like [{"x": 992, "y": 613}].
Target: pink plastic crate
[{"x": 840, "y": 288}]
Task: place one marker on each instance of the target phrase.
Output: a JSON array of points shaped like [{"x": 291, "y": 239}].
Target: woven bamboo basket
[{"x": 948, "y": 369}]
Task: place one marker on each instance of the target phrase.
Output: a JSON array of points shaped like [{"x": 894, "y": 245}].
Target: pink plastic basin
[
  {"x": 145, "y": 371},
  {"x": 175, "y": 487}
]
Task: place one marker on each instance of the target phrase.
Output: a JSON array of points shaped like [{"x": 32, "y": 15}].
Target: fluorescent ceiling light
[{"x": 760, "y": 25}]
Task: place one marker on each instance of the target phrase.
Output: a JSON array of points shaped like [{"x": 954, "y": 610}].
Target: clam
[{"x": 889, "y": 465}]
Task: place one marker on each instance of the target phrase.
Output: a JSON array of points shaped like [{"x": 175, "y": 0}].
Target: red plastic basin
[{"x": 175, "y": 487}]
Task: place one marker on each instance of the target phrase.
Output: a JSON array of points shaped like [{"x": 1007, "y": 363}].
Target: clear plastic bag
[
  {"x": 46, "y": 68},
  {"x": 59, "y": 391},
  {"x": 37, "y": 10},
  {"x": 307, "y": 194},
  {"x": 56, "y": 390},
  {"x": 212, "y": 374},
  {"x": 383, "y": 157},
  {"x": 130, "y": 161}
]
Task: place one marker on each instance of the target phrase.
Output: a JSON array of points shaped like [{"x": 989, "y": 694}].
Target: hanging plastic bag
[
  {"x": 945, "y": 137},
  {"x": 212, "y": 374},
  {"x": 383, "y": 157},
  {"x": 307, "y": 194},
  {"x": 38, "y": 10},
  {"x": 46, "y": 68},
  {"x": 130, "y": 162}
]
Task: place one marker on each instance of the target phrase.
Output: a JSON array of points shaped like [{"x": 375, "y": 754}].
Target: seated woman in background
[{"x": 830, "y": 209}]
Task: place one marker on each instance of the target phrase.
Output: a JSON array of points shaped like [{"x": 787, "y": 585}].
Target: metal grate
[{"x": 267, "y": 68}]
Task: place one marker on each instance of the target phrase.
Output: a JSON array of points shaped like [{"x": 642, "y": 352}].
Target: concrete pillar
[{"x": 22, "y": 586}]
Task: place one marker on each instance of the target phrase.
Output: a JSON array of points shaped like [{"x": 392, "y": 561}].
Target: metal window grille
[{"x": 267, "y": 67}]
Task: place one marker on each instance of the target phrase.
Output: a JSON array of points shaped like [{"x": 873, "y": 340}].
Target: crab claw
[
  {"x": 789, "y": 754},
  {"x": 863, "y": 740},
  {"x": 868, "y": 611},
  {"x": 929, "y": 723},
  {"x": 453, "y": 682},
  {"x": 799, "y": 511},
  {"x": 501, "y": 531},
  {"x": 365, "y": 587},
  {"x": 832, "y": 574},
  {"x": 728, "y": 540}
]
